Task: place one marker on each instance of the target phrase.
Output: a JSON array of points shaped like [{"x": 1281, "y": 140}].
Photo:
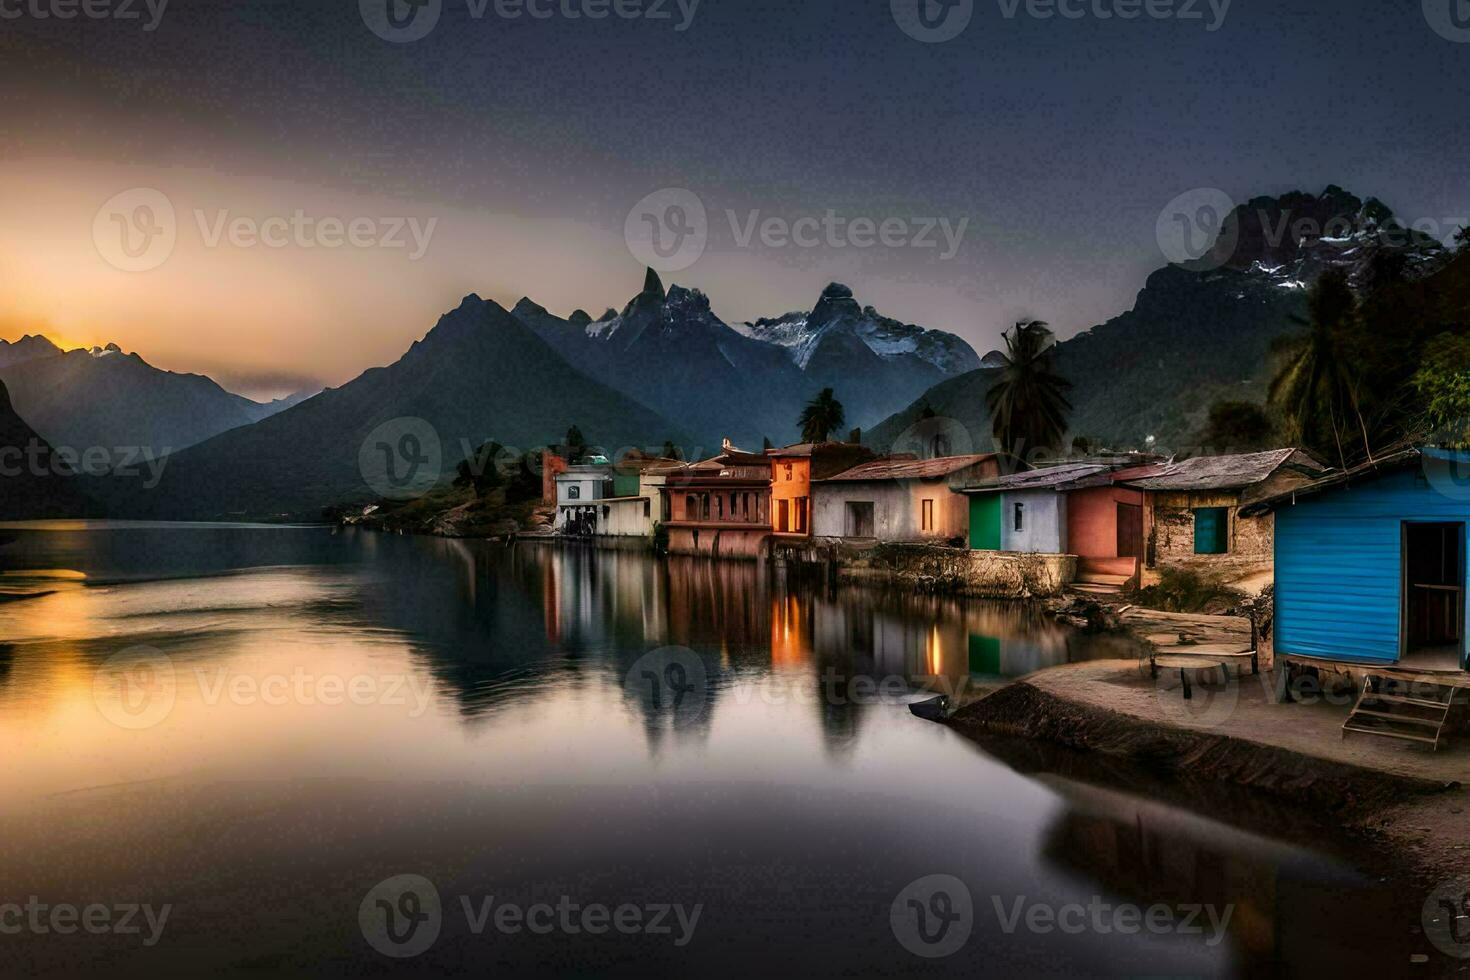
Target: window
[
  {"x": 928, "y": 514},
  {"x": 1212, "y": 531},
  {"x": 789, "y": 477},
  {"x": 859, "y": 519},
  {"x": 1020, "y": 517},
  {"x": 574, "y": 492},
  {"x": 647, "y": 509}
]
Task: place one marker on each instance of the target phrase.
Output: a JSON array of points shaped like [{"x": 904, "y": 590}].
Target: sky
[{"x": 277, "y": 193}]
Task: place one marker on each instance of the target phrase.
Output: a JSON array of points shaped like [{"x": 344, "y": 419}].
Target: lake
[{"x": 311, "y": 751}]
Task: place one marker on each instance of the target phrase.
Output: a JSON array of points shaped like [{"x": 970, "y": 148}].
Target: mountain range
[
  {"x": 1203, "y": 331},
  {"x": 667, "y": 368},
  {"x": 108, "y": 399},
  {"x": 749, "y": 382}
]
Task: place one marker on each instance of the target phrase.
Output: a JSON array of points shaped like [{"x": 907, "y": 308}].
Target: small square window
[
  {"x": 1212, "y": 531},
  {"x": 574, "y": 492}
]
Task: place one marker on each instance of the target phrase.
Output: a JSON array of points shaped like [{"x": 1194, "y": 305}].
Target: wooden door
[{"x": 1130, "y": 531}]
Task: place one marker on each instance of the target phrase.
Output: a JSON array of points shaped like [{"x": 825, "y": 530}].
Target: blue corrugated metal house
[{"x": 1371, "y": 563}]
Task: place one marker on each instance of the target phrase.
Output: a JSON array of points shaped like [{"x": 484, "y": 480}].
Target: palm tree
[
  {"x": 1028, "y": 402},
  {"x": 1316, "y": 389},
  {"x": 822, "y": 416}
]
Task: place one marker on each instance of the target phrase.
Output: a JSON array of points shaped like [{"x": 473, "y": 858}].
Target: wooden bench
[
  {"x": 1210, "y": 651},
  {"x": 1184, "y": 665}
]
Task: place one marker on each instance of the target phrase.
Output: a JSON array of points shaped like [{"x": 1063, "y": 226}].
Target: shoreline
[{"x": 1394, "y": 802}]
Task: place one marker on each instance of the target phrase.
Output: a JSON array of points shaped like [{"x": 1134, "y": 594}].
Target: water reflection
[{"x": 788, "y": 788}]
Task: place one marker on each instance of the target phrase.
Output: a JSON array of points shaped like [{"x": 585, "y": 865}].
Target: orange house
[
  {"x": 1105, "y": 526},
  {"x": 792, "y": 471}
]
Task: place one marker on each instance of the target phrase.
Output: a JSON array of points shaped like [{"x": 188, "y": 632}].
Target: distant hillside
[
  {"x": 1198, "y": 335},
  {"x": 480, "y": 374},
  {"x": 108, "y": 399},
  {"x": 34, "y": 483}
]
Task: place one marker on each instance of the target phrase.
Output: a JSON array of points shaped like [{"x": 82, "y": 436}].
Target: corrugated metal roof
[
  {"x": 908, "y": 469},
  {"x": 1218, "y": 472},
  {"x": 1403, "y": 459},
  {"x": 1050, "y": 478}
]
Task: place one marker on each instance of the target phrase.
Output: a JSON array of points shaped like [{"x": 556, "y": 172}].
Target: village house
[
  {"x": 1191, "y": 512},
  {"x": 720, "y": 507},
  {"x": 793, "y": 470},
  {"x": 611, "y": 502},
  {"x": 1370, "y": 569},
  {"x": 1127, "y": 518},
  {"x": 579, "y": 488},
  {"x": 900, "y": 499},
  {"x": 1026, "y": 512}
]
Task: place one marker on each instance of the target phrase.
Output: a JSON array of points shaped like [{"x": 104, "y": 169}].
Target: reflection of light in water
[
  {"x": 934, "y": 656},
  {"x": 790, "y": 646}
]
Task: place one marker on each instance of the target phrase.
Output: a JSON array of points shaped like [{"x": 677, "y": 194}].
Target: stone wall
[
  {"x": 1171, "y": 536},
  {"x": 934, "y": 568}
]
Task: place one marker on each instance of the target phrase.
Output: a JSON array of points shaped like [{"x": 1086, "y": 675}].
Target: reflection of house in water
[
  {"x": 1146, "y": 854},
  {"x": 1284, "y": 898}
]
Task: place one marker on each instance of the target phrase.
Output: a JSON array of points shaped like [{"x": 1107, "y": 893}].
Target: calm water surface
[{"x": 257, "y": 726}]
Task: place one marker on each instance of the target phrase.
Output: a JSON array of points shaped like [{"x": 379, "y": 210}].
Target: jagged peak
[
  {"x": 653, "y": 284},
  {"x": 527, "y": 305}
]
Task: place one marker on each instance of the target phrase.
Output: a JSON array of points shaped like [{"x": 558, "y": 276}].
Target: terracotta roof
[
  {"x": 1221, "y": 472},
  {"x": 908, "y": 469}
]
